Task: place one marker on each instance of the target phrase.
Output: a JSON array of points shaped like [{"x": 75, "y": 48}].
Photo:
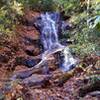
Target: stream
[{"x": 50, "y": 25}]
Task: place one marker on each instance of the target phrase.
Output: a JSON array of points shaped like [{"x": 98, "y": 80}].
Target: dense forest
[{"x": 49, "y": 49}]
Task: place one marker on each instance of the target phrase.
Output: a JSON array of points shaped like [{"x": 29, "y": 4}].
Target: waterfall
[
  {"x": 49, "y": 25},
  {"x": 49, "y": 29}
]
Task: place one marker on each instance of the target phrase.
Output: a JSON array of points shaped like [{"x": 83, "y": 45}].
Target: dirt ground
[{"x": 41, "y": 85}]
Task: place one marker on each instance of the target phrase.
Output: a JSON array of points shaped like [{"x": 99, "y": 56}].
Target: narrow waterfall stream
[{"x": 49, "y": 25}]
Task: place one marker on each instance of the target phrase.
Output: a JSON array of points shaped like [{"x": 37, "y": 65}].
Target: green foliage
[
  {"x": 86, "y": 37},
  {"x": 66, "y": 5},
  {"x": 94, "y": 78},
  {"x": 38, "y": 5},
  {"x": 8, "y": 15}
]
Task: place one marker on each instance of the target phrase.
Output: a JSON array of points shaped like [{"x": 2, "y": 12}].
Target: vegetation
[
  {"x": 86, "y": 34},
  {"x": 84, "y": 16}
]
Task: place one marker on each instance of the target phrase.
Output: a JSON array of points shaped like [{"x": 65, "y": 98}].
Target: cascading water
[
  {"x": 49, "y": 29},
  {"x": 49, "y": 25},
  {"x": 67, "y": 60}
]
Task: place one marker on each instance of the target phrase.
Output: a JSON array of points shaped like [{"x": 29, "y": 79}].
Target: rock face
[
  {"x": 50, "y": 24},
  {"x": 29, "y": 63},
  {"x": 36, "y": 80},
  {"x": 30, "y": 37},
  {"x": 4, "y": 58},
  {"x": 20, "y": 55},
  {"x": 29, "y": 17},
  {"x": 28, "y": 45},
  {"x": 28, "y": 32}
]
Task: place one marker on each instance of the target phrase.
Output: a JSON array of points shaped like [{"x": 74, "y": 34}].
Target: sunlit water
[{"x": 48, "y": 24}]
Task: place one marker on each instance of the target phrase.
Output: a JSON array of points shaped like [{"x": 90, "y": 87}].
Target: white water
[{"x": 49, "y": 26}]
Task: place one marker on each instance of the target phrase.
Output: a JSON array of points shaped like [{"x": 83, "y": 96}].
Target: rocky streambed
[{"x": 20, "y": 80}]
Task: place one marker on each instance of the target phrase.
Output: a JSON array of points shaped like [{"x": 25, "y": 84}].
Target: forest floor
[{"x": 42, "y": 84}]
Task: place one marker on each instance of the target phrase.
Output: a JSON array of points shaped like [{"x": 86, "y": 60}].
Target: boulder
[{"x": 36, "y": 80}]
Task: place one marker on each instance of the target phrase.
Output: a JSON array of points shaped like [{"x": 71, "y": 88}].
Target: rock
[
  {"x": 4, "y": 58},
  {"x": 36, "y": 80},
  {"x": 1, "y": 96},
  {"x": 95, "y": 94},
  {"x": 66, "y": 42},
  {"x": 65, "y": 26},
  {"x": 29, "y": 63},
  {"x": 5, "y": 54},
  {"x": 29, "y": 17},
  {"x": 21, "y": 75},
  {"x": 29, "y": 32},
  {"x": 52, "y": 64},
  {"x": 20, "y": 98},
  {"x": 32, "y": 51},
  {"x": 29, "y": 51}
]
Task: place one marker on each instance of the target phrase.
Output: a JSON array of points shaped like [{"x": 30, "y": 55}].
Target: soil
[{"x": 20, "y": 54}]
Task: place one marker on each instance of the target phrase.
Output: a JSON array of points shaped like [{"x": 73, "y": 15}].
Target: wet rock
[
  {"x": 36, "y": 80},
  {"x": 21, "y": 75},
  {"x": 63, "y": 42},
  {"x": 29, "y": 63},
  {"x": 95, "y": 94}
]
